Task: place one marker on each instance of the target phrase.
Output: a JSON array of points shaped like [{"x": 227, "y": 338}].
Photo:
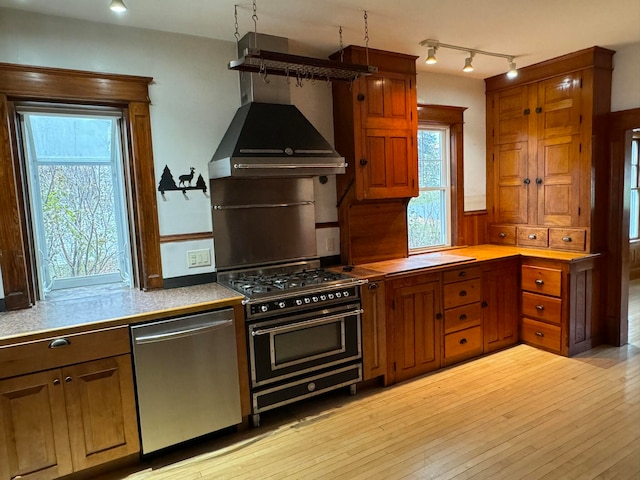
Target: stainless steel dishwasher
[{"x": 186, "y": 372}]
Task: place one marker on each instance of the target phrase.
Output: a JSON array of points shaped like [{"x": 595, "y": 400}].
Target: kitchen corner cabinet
[
  {"x": 546, "y": 153},
  {"x": 374, "y": 346},
  {"x": 76, "y": 409},
  {"x": 414, "y": 325},
  {"x": 500, "y": 304},
  {"x": 559, "y": 305}
]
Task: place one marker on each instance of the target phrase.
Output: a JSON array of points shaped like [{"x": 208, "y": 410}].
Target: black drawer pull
[
  {"x": 462, "y": 273},
  {"x": 373, "y": 286},
  {"x": 539, "y": 281},
  {"x": 566, "y": 239},
  {"x": 463, "y": 317},
  {"x": 363, "y": 161},
  {"x": 532, "y": 236},
  {"x": 539, "y": 334},
  {"x": 540, "y": 307},
  {"x": 59, "y": 342},
  {"x": 484, "y": 304},
  {"x": 463, "y": 341},
  {"x": 438, "y": 316},
  {"x": 502, "y": 235},
  {"x": 463, "y": 293}
]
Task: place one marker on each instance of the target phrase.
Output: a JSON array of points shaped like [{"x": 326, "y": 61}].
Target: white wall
[
  {"x": 436, "y": 89},
  {"x": 625, "y": 87}
]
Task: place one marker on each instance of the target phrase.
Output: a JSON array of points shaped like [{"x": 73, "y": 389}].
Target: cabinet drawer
[
  {"x": 461, "y": 293},
  {"x": 43, "y": 354},
  {"x": 460, "y": 274},
  {"x": 540, "y": 334},
  {"x": 542, "y": 280},
  {"x": 502, "y": 234},
  {"x": 463, "y": 344},
  {"x": 568, "y": 238},
  {"x": 542, "y": 307},
  {"x": 462, "y": 317},
  {"x": 533, "y": 237}
]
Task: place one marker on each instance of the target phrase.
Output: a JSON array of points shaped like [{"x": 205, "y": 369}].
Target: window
[
  {"x": 429, "y": 214},
  {"x": 634, "y": 203},
  {"x": 77, "y": 196}
]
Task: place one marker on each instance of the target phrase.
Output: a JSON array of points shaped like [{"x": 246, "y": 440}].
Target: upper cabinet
[
  {"x": 375, "y": 122},
  {"x": 546, "y": 152}
]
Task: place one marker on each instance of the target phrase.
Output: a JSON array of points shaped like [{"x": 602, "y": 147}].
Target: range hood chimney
[{"x": 268, "y": 136}]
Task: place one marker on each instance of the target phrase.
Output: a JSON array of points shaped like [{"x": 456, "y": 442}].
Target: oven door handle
[{"x": 308, "y": 323}]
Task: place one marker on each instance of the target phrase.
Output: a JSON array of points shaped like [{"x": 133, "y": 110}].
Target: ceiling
[{"x": 531, "y": 31}]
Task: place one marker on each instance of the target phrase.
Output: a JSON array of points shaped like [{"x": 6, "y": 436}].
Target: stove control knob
[
  {"x": 315, "y": 299},
  {"x": 298, "y": 301},
  {"x": 323, "y": 297},
  {"x": 281, "y": 304},
  {"x": 338, "y": 294},
  {"x": 345, "y": 293},
  {"x": 264, "y": 308},
  {"x": 307, "y": 300},
  {"x": 331, "y": 296}
]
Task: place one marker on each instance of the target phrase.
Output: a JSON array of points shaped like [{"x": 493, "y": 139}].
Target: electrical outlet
[{"x": 198, "y": 258}]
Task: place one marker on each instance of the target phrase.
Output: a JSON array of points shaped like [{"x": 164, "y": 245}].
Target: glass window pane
[
  {"x": 634, "y": 152},
  {"x": 634, "y": 215},
  {"x": 426, "y": 215},
  {"x": 430, "y": 158},
  {"x": 634, "y": 176}
]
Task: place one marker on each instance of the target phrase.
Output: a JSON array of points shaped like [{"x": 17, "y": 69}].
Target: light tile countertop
[{"x": 110, "y": 308}]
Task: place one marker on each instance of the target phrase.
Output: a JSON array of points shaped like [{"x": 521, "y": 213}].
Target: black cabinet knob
[
  {"x": 526, "y": 181},
  {"x": 463, "y": 341},
  {"x": 363, "y": 161},
  {"x": 438, "y": 316},
  {"x": 539, "y": 181},
  {"x": 360, "y": 97}
]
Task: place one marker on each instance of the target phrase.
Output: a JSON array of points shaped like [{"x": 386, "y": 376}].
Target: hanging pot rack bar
[{"x": 295, "y": 66}]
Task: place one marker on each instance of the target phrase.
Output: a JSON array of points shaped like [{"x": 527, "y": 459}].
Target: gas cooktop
[{"x": 255, "y": 284}]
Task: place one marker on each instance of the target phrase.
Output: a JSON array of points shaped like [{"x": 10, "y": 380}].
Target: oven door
[{"x": 286, "y": 347}]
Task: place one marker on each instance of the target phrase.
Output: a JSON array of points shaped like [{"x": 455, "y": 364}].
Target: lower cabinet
[
  {"x": 66, "y": 419},
  {"x": 415, "y": 325},
  {"x": 374, "y": 342},
  {"x": 500, "y": 310}
]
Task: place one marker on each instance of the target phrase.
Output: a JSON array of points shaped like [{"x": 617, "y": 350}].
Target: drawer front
[
  {"x": 540, "y": 334},
  {"x": 462, "y": 317},
  {"x": 542, "y": 280},
  {"x": 459, "y": 274},
  {"x": 533, "y": 237},
  {"x": 56, "y": 352},
  {"x": 463, "y": 344},
  {"x": 542, "y": 307},
  {"x": 461, "y": 293},
  {"x": 568, "y": 239},
  {"x": 502, "y": 234}
]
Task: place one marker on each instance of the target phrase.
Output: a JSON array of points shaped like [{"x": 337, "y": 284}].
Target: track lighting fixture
[
  {"x": 118, "y": 6},
  {"x": 433, "y": 45}
]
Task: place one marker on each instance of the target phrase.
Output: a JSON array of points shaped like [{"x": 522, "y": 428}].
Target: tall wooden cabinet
[
  {"x": 546, "y": 153},
  {"x": 375, "y": 125}
]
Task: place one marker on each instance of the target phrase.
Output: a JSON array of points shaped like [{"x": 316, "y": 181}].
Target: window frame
[
  {"x": 22, "y": 83},
  {"x": 634, "y": 151},
  {"x": 444, "y": 116}
]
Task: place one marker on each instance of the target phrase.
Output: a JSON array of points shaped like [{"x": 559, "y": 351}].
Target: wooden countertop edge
[{"x": 119, "y": 321}]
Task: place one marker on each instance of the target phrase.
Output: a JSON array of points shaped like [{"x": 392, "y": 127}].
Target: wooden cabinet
[
  {"x": 374, "y": 346},
  {"x": 414, "y": 323},
  {"x": 546, "y": 143},
  {"x": 559, "y": 305},
  {"x": 462, "y": 314},
  {"x": 66, "y": 419},
  {"x": 500, "y": 304},
  {"x": 375, "y": 128}
]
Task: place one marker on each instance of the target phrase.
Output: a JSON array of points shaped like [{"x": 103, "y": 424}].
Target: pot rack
[{"x": 299, "y": 67}]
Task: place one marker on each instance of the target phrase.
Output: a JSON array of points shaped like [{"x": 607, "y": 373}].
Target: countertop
[{"x": 108, "y": 309}]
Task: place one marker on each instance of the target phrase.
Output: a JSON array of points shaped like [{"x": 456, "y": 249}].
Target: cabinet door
[
  {"x": 558, "y": 106},
  {"x": 34, "y": 443},
  {"x": 389, "y": 167},
  {"x": 386, "y": 102},
  {"x": 557, "y": 181},
  {"x": 374, "y": 349},
  {"x": 417, "y": 329},
  {"x": 510, "y": 182},
  {"x": 101, "y": 410},
  {"x": 500, "y": 306},
  {"x": 510, "y": 116}
]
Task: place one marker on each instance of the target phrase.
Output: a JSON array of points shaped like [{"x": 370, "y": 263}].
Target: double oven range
[{"x": 303, "y": 331}]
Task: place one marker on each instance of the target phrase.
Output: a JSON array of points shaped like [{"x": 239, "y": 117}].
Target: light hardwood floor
[{"x": 518, "y": 414}]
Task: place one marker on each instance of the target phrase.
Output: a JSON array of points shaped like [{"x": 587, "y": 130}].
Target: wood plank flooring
[{"x": 518, "y": 414}]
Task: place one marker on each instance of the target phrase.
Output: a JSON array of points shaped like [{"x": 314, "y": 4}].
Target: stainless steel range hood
[{"x": 269, "y": 137}]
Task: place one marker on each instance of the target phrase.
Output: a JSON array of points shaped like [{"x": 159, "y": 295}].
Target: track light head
[
  {"x": 431, "y": 57},
  {"x": 467, "y": 63},
  {"x": 513, "y": 72},
  {"x": 118, "y": 6}
]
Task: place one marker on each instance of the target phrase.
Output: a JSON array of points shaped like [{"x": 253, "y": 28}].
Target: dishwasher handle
[{"x": 163, "y": 337}]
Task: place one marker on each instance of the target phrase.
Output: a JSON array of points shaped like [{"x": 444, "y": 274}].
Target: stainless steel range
[{"x": 303, "y": 331}]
